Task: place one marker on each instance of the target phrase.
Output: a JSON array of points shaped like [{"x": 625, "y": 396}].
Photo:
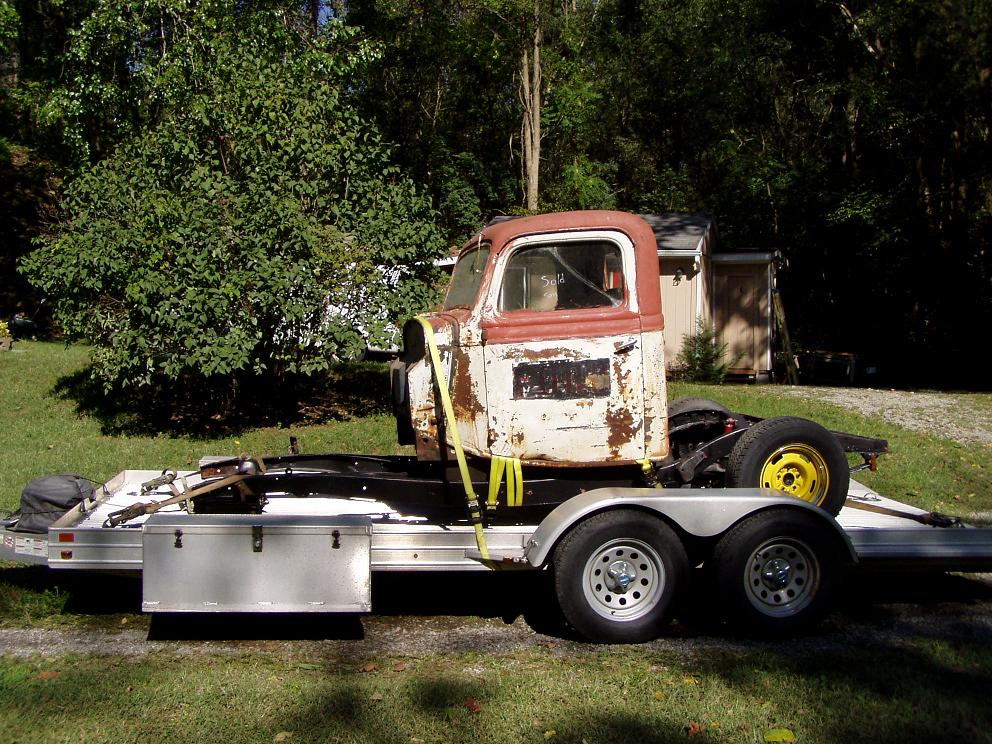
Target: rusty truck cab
[{"x": 551, "y": 344}]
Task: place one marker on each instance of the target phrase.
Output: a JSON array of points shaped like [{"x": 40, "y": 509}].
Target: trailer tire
[
  {"x": 775, "y": 573},
  {"x": 618, "y": 575},
  {"x": 794, "y": 455}
]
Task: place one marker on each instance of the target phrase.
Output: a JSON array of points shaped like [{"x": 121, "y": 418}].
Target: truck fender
[{"x": 703, "y": 513}]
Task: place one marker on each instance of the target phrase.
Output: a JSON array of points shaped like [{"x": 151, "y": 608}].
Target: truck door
[{"x": 562, "y": 350}]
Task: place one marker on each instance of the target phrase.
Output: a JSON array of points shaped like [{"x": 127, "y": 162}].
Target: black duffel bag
[{"x": 45, "y": 499}]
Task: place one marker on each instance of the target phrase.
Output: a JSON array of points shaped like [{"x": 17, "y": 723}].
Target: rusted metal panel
[
  {"x": 463, "y": 368},
  {"x": 559, "y": 425},
  {"x": 562, "y": 379},
  {"x": 468, "y": 396},
  {"x": 425, "y": 409},
  {"x": 655, "y": 396}
]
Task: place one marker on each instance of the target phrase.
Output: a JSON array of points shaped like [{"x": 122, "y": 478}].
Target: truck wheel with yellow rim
[{"x": 793, "y": 455}]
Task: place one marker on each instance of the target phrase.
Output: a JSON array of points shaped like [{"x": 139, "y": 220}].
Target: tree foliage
[
  {"x": 258, "y": 224},
  {"x": 851, "y": 136},
  {"x": 702, "y": 358}
]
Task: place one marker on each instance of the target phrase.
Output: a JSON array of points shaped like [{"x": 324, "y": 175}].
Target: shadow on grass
[
  {"x": 197, "y": 406},
  {"x": 914, "y": 690},
  {"x": 875, "y": 693},
  {"x": 870, "y": 599},
  {"x": 909, "y": 682},
  {"x": 486, "y": 595},
  {"x": 274, "y": 626},
  {"x": 34, "y": 594}
]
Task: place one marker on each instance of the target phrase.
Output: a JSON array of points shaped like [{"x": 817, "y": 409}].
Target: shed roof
[{"x": 679, "y": 231}]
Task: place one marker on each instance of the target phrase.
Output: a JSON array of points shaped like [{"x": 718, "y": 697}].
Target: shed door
[
  {"x": 741, "y": 300},
  {"x": 678, "y": 303}
]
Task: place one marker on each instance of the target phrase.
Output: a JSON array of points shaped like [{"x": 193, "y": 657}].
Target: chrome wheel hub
[
  {"x": 624, "y": 579},
  {"x": 782, "y": 576},
  {"x": 620, "y": 575}
]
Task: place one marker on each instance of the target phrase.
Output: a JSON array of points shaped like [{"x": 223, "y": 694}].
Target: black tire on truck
[
  {"x": 775, "y": 573},
  {"x": 693, "y": 421},
  {"x": 693, "y": 404},
  {"x": 618, "y": 575},
  {"x": 793, "y": 455}
]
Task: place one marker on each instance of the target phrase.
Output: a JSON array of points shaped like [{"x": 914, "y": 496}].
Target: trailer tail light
[
  {"x": 66, "y": 555},
  {"x": 729, "y": 425},
  {"x": 67, "y": 537}
]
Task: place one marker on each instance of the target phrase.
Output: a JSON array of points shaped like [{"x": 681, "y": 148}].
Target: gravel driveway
[{"x": 945, "y": 414}]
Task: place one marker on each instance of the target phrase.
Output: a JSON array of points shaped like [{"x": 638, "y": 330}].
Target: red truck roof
[{"x": 501, "y": 234}]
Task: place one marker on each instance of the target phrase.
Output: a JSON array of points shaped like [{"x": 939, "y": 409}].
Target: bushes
[
  {"x": 701, "y": 359},
  {"x": 256, "y": 226}
]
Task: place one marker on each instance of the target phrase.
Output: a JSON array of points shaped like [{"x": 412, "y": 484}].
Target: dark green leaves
[{"x": 258, "y": 225}]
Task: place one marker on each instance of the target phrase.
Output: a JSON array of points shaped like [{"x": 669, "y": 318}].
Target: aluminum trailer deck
[{"x": 401, "y": 543}]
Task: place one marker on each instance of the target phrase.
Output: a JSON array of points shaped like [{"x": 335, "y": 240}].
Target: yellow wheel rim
[{"x": 799, "y": 470}]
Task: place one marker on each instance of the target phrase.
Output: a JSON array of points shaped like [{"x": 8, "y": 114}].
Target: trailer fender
[{"x": 703, "y": 513}]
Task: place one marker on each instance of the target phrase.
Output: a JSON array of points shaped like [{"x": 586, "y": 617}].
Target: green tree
[
  {"x": 256, "y": 225},
  {"x": 443, "y": 91}
]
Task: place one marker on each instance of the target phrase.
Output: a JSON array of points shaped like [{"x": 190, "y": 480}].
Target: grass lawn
[
  {"x": 923, "y": 691},
  {"x": 923, "y": 686},
  {"x": 42, "y": 433}
]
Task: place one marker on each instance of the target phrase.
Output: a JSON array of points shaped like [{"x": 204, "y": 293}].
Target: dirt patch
[{"x": 883, "y": 611}]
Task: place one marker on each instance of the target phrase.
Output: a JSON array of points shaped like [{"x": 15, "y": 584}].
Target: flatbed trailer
[
  {"x": 536, "y": 404},
  {"x": 317, "y": 553}
]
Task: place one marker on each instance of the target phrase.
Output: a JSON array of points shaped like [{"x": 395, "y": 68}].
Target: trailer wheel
[
  {"x": 793, "y": 455},
  {"x": 617, "y": 575},
  {"x": 775, "y": 572}
]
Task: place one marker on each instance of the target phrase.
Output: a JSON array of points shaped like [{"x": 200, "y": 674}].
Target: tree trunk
[{"x": 530, "y": 96}]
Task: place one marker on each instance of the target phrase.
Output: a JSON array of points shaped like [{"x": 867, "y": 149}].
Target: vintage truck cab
[
  {"x": 550, "y": 347},
  {"x": 551, "y": 340}
]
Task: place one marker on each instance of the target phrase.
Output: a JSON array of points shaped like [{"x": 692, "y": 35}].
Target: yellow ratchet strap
[
  {"x": 449, "y": 414},
  {"x": 514, "y": 481},
  {"x": 649, "y": 474}
]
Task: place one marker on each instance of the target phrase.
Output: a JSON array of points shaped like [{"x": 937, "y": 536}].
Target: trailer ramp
[{"x": 884, "y": 539}]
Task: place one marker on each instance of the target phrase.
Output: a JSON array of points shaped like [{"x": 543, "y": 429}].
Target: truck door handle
[{"x": 625, "y": 348}]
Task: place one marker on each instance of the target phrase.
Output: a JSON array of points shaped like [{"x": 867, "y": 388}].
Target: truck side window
[{"x": 563, "y": 276}]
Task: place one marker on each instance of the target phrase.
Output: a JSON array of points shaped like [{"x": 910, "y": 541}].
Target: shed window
[{"x": 563, "y": 276}]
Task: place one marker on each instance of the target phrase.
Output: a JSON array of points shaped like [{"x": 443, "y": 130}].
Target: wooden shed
[{"x": 730, "y": 292}]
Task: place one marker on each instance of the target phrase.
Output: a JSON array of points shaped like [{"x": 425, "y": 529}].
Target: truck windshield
[{"x": 467, "y": 277}]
